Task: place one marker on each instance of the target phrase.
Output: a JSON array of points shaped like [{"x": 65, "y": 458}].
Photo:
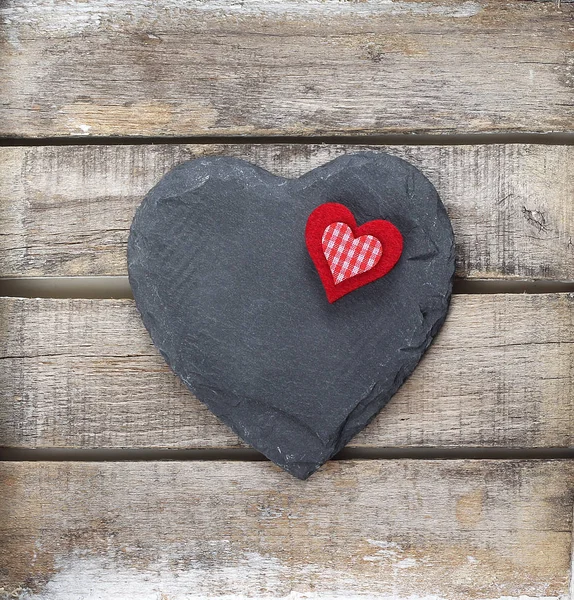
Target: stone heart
[{"x": 224, "y": 283}]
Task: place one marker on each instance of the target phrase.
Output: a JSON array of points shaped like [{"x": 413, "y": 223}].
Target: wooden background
[{"x": 116, "y": 483}]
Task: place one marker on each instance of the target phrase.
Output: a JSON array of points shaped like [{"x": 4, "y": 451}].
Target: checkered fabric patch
[{"x": 348, "y": 256}]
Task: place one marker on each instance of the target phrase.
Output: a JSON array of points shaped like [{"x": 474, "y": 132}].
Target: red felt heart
[{"x": 348, "y": 257}]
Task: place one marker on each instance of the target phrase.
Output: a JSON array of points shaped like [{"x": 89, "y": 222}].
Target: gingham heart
[{"x": 348, "y": 257}]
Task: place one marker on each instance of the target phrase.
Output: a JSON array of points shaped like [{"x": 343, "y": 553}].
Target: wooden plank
[
  {"x": 370, "y": 530},
  {"x": 67, "y": 210},
  {"x": 302, "y": 67},
  {"x": 84, "y": 374}
]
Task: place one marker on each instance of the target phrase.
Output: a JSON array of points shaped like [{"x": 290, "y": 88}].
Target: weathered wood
[
  {"x": 84, "y": 374},
  {"x": 305, "y": 67},
  {"x": 67, "y": 210},
  {"x": 376, "y": 530}
]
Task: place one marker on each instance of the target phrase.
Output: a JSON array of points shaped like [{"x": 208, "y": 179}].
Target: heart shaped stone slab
[{"x": 222, "y": 278}]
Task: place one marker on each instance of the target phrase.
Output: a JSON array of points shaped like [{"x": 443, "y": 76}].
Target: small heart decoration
[
  {"x": 228, "y": 270},
  {"x": 348, "y": 257}
]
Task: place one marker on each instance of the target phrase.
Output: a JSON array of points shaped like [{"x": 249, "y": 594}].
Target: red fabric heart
[{"x": 348, "y": 257}]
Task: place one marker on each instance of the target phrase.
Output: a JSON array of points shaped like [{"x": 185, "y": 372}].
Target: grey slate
[{"x": 224, "y": 284}]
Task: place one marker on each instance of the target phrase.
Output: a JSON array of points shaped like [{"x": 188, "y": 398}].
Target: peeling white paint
[
  {"x": 406, "y": 563},
  {"x": 386, "y": 550},
  {"x": 11, "y": 35},
  {"x": 85, "y": 128},
  {"x": 339, "y": 7},
  {"x": 81, "y": 578},
  {"x": 79, "y": 17}
]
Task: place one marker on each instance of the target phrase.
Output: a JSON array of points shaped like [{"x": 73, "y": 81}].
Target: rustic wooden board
[
  {"x": 84, "y": 374},
  {"x": 304, "y": 67},
  {"x": 357, "y": 530},
  {"x": 67, "y": 210}
]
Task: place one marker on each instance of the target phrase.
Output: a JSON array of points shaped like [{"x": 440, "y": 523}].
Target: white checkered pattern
[{"x": 348, "y": 256}]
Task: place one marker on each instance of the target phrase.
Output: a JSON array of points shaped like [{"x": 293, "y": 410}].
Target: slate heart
[
  {"x": 224, "y": 283},
  {"x": 346, "y": 256}
]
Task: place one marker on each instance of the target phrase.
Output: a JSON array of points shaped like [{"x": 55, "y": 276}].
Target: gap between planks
[
  {"x": 249, "y": 454},
  {"x": 118, "y": 287},
  {"x": 410, "y": 139}
]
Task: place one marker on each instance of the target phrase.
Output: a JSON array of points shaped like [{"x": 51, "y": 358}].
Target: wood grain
[
  {"x": 357, "y": 530},
  {"x": 67, "y": 210},
  {"x": 286, "y": 67},
  {"x": 84, "y": 374}
]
